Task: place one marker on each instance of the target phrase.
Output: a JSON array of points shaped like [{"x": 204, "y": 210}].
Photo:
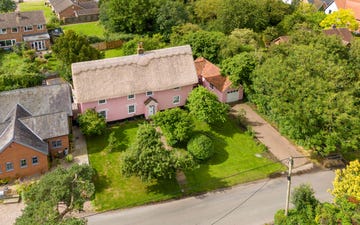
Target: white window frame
[
  {"x": 35, "y": 158},
  {"x": 149, "y": 93},
  {"x": 12, "y": 30},
  {"x": 12, "y": 166},
  {"x": 3, "y": 31},
  {"x": 27, "y": 28},
  {"x": 102, "y": 101},
  {"x": 128, "y": 107},
  {"x": 12, "y": 42},
  {"x": 103, "y": 110},
  {"x": 21, "y": 165},
  {"x": 178, "y": 101},
  {"x": 40, "y": 27},
  {"x": 55, "y": 144},
  {"x": 131, "y": 97}
]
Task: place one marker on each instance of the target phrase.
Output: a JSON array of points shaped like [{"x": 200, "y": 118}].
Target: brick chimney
[{"x": 140, "y": 48}]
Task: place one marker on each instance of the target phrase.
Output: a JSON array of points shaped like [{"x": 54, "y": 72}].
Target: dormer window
[
  {"x": 102, "y": 101},
  {"x": 40, "y": 27},
  {"x": 149, "y": 93},
  {"x": 28, "y": 28},
  {"x": 3, "y": 31},
  {"x": 130, "y": 97},
  {"x": 14, "y": 30}
]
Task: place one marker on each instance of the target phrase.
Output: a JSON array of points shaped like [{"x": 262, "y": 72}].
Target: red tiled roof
[
  {"x": 212, "y": 74},
  {"x": 344, "y": 33},
  {"x": 350, "y": 4}
]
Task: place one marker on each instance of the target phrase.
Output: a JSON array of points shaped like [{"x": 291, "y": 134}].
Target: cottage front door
[{"x": 152, "y": 110}]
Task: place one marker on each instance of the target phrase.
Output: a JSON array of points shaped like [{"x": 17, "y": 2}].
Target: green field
[
  {"x": 88, "y": 29},
  {"x": 37, "y": 5},
  {"x": 235, "y": 158}
]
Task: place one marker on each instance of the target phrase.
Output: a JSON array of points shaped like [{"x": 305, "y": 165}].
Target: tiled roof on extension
[
  {"x": 17, "y": 19},
  {"x": 212, "y": 74},
  {"x": 343, "y": 33}
]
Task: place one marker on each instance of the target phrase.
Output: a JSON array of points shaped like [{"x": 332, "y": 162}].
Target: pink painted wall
[
  {"x": 221, "y": 95},
  {"x": 117, "y": 108}
]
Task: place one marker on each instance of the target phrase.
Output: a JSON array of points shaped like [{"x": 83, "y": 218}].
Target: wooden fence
[{"x": 107, "y": 45}]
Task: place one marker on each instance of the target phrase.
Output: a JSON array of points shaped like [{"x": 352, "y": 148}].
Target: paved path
[
  {"x": 80, "y": 149},
  {"x": 247, "y": 204},
  {"x": 278, "y": 145}
]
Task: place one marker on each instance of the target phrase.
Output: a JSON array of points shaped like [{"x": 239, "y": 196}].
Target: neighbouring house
[
  {"x": 75, "y": 11},
  {"x": 28, "y": 27},
  {"x": 210, "y": 77},
  {"x": 280, "y": 40},
  {"x": 344, "y": 33},
  {"x": 34, "y": 126},
  {"x": 141, "y": 84}
]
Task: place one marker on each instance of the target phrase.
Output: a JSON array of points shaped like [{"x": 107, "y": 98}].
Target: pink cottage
[
  {"x": 210, "y": 77},
  {"x": 141, "y": 84}
]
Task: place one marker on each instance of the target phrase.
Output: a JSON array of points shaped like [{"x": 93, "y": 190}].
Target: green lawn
[
  {"x": 88, "y": 29},
  {"x": 37, "y": 5},
  {"x": 116, "y": 52},
  {"x": 235, "y": 157}
]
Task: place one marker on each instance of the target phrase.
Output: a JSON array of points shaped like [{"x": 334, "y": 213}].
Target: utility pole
[{"x": 291, "y": 163}]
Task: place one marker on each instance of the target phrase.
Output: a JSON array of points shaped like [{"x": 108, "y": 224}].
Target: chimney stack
[{"x": 140, "y": 48}]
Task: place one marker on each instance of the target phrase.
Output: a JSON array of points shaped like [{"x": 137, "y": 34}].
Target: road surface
[{"x": 248, "y": 204}]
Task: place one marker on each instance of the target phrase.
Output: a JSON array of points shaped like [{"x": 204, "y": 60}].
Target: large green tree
[
  {"x": 204, "y": 106},
  {"x": 156, "y": 41},
  {"x": 175, "y": 124},
  {"x": 7, "y": 6},
  {"x": 72, "y": 47},
  {"x": 205, "y": 44},
  {"x": 58, "y": 193},
  {"x": 148, "y": 159},
  {"x": 309, "y": 91}
]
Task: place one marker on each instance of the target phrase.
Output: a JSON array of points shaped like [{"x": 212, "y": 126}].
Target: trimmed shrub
[
  {"x": 201, "y": 147},
  {"x": 69, "y": 158}
]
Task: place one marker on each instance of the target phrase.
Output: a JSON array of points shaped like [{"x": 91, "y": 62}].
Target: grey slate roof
[
  {"x": 61, "y": 5},
  {"x": 15, "y": 131},
  {"x": 30, "y": 115},
  {"x": 48, "y": 126},
  {"x": 37, "y": 100},
  {"x": 17, "y": 19}
]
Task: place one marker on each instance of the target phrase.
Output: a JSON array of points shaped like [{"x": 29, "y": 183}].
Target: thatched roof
[{"x": 116, "y": 77}]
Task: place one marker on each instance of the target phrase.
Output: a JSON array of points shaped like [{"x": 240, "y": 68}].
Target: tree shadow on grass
[
  {"x": 102, "y": 182},
  {"x": 164, "y": 188}
]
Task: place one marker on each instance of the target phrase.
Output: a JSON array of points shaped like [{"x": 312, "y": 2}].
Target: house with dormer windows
[
  {"x": 141, "y": 84},
  {"x": 28, "y": 27}
]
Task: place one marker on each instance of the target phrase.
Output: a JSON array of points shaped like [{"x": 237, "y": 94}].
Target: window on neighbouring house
[
  {"x": 23, "y": 163},
  {"x": 102, "y": 101},
  {"x": 131, "y": 97},
  {"x": 28, "y": 28},
  {"x": 35, "y": 160},
  {"x": 56, "y": 144},
  {"x": 131, "y": 109},
  {"x": 39, "y": 26},
  {"x": 176, "y": 99},
  {"x": 3, "y": 31},
  {"x": 14, "y": 30},
  {"x": 9, "y": 166},
  {"x": 177, "y": 88},
  {"x": 149, "y": 93},
  {"x": 103, "y": 113},
  {"x": 211, "y": 86},
  {"x": 5, "y": 43}
]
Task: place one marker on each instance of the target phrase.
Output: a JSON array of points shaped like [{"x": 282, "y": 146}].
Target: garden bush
[{"x": 201, "y": 147}]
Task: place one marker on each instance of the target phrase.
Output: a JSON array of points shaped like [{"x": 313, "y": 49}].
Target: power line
[{"x": 241, "y": 203}]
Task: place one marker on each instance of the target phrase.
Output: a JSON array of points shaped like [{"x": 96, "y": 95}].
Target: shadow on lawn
[{"x": 101, "y": 182}]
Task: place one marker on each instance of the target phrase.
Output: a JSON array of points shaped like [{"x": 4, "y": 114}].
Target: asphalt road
[{"x": 248, "y": 204}]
